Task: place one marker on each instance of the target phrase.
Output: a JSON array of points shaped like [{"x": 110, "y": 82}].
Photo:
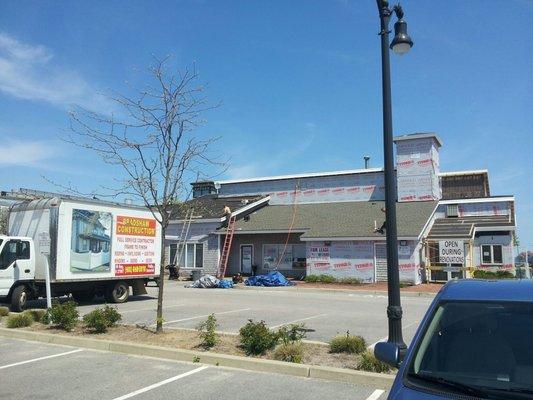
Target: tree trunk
[{"x": 159, "y": 316}]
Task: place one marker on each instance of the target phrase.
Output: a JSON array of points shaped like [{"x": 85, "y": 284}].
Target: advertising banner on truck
[
  {"x": 135, "y": 248},
  {"x": 90, "y": 241}
]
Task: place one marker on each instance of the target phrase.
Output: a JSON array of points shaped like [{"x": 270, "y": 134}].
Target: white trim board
[
  {"x": 478, "y": 200},
  {"x": 304, "y": 175}
]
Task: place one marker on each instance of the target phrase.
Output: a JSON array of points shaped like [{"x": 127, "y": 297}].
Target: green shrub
[
  {"x": 206, "y": 331},
  {"x": 4, "y": 311},
  {"x": 371, "y": 364},
  {"x": 349, "y": 281},
  {"x": 100, "y": 320},
  {"x": 256, "y": 338},
  {"x": 19, "y": 320},
  {"x": 501, "y": 274},
  {"x": 63, "y": 315},
  {"x": 291, "y": 333},
  {"x": 36, "y": 315},
  {"x": 347, "y": 344},
  {"x": 320, "y": 278},
  {"x": 289, "y": 352}
]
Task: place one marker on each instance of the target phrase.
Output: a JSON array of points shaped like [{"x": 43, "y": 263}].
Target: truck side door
[{"x": 15, "y": 263}]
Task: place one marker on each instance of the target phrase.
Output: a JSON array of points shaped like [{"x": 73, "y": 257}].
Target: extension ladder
[
  {"x": 226, "y": 248},
  {"x": 183, "y": 237}
]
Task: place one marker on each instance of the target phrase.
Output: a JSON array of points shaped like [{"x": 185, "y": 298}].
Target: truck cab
[
  {"x": 474, "y": 342},
  {"x": 17, "y": 264}
]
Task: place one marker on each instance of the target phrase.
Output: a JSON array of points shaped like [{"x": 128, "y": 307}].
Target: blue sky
[{"x": 298, "y": 82}]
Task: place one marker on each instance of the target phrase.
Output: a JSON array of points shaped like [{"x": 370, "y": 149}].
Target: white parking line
[
  {"x": 371, "y": 347},
  {"x": 375, "y": 394},
  {"x": 298, "y": 320},
  {"x": 158, "y": 384},
  {"x": 205, "y": 316},
  {"x": 40, "y": 358},
  {"x": 151, "y": 308}
]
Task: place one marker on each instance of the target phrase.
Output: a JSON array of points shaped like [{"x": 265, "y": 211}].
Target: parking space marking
[
  {"x": 151, "y": 308},
  {"x": 375, "y": 394},
  {"x": 205, "y": 316},
  {"x": 158, "y": 384},
  {"x": 40, "y": 358},
  {"x": 298, "y": 320}
]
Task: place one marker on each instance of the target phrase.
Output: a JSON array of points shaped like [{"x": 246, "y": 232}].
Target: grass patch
[
  {"x": 36, "y": 315},
  {"x": 19, "y": 320},
  {"x": 347, "y": 344},
  {"x": 4, "y": 312},
  {"x": 289, "y": 352},
  {"x": 370, "y": 363}
]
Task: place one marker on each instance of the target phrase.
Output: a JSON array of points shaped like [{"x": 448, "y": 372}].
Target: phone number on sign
[{"x": 134, "y": 269}]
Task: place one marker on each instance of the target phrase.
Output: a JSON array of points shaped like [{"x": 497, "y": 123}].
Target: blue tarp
[
  {"x": 271, "y": 279},
  {"x": 225, "y": 284}
]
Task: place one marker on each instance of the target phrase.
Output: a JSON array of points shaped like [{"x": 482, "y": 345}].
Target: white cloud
[
  {"x": 262, "y": 166},
  {"x": 27, "y": 72},
  {"x": 26, "y": 153}
]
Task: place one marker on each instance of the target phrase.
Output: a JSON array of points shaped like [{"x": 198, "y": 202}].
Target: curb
[
  {"x": 381, "y": 381},
  {"x": 358, "y": 291}
]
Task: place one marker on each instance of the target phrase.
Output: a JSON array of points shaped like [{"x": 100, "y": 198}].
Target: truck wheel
[
  {"x": 19, "y": 298},
  {"x": 118, "y": 293},
  {"x": 83, "y": 297}
]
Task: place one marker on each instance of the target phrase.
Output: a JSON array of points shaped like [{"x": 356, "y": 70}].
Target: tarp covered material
[
  {"x": 225, "y": 284},
  {"x": 274, "y": 278},
  {"x": 210, "y": 282}
]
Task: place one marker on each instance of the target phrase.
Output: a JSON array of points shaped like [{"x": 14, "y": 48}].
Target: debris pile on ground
[
  {"x": 210, "y": 282},
  {"x": 274, "y": 278}
]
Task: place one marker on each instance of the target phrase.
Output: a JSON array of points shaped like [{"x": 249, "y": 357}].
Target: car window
[
  {"x": 478, "y": 343},
  {"x": 9, "y": 254}
]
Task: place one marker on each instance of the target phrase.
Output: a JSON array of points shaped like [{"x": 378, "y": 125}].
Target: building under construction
[{"x": 333, "y": 223}]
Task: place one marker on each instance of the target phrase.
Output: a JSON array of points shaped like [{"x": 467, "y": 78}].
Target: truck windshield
[{"x": 481, "y": 347}]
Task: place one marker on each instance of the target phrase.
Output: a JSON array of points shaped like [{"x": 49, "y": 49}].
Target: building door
[
  {"x": 380, "y": 257},
  {"x": 247, "y": 253}
]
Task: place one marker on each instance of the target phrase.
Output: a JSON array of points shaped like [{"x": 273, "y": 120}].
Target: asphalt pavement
[
  {"x": 324, "y": 312},
  {"x": 31, "y": 370}
]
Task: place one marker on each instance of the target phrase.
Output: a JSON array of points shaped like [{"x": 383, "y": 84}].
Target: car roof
[{"x": 490, "y": 290}]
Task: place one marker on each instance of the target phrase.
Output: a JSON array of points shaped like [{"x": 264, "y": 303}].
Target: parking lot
[
  {"x": 325, "y": 313},
  {"x": 35, "y": 370}
]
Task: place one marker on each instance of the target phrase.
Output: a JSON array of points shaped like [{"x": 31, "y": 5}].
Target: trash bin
[{"x": 196, "y": 274}]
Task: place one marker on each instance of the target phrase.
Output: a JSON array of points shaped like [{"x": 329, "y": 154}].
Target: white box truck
[{"x": 89, "y": 247}]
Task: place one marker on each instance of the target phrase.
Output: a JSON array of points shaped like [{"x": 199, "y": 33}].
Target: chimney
[{"x": 367, "y": 161}]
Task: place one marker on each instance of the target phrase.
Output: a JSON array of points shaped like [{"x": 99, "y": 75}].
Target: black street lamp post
[{"x": 393, "y": 350}]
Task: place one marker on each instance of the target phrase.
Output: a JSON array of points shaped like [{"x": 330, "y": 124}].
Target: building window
[
  {"x": 274, "y": 256},
  {"x": 452, "y": 211},
  {"x": 492, "y": 254},
  {"x": 192, "y": 256}
]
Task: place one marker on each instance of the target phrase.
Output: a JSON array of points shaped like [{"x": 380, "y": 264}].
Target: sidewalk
[{"x": 371, "y": 287}]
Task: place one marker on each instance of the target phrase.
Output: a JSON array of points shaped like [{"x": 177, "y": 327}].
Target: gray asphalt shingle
[{"x": 329, "y": 220}]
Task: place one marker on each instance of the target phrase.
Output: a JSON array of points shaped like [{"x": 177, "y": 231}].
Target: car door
[{"x": 15, "y": 263}]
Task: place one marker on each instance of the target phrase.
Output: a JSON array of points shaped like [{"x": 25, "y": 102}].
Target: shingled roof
[
  {"x": 211, "y": 206},
  {"x": 444, "y": 228},
  {"x": 331, "y": 220}
]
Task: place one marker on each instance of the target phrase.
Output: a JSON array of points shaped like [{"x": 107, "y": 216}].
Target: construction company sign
[
  {"x": 451, "y": 251},
  {"x": 135, "y": 246}
]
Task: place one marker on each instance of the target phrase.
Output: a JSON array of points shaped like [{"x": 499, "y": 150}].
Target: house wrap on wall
[{"x": 328, "y": 223}]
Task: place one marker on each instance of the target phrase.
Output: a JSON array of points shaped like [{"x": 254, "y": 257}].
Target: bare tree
[
  {"x": 154, "y": 142},
  {"x": 3, "y": 220}
]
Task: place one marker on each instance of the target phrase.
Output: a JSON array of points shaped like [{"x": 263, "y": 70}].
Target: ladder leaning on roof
[
  {"x": 182, "y": 242},
  {"x": 226, "y": 248}
]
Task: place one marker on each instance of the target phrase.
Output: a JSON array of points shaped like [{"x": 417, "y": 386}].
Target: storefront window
[
  {"x": 492, "y": 254},
  {"x": 289, "y": 255}
]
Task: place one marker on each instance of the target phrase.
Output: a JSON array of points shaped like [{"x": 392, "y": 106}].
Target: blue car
[{"x": 475, "y": 342}]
